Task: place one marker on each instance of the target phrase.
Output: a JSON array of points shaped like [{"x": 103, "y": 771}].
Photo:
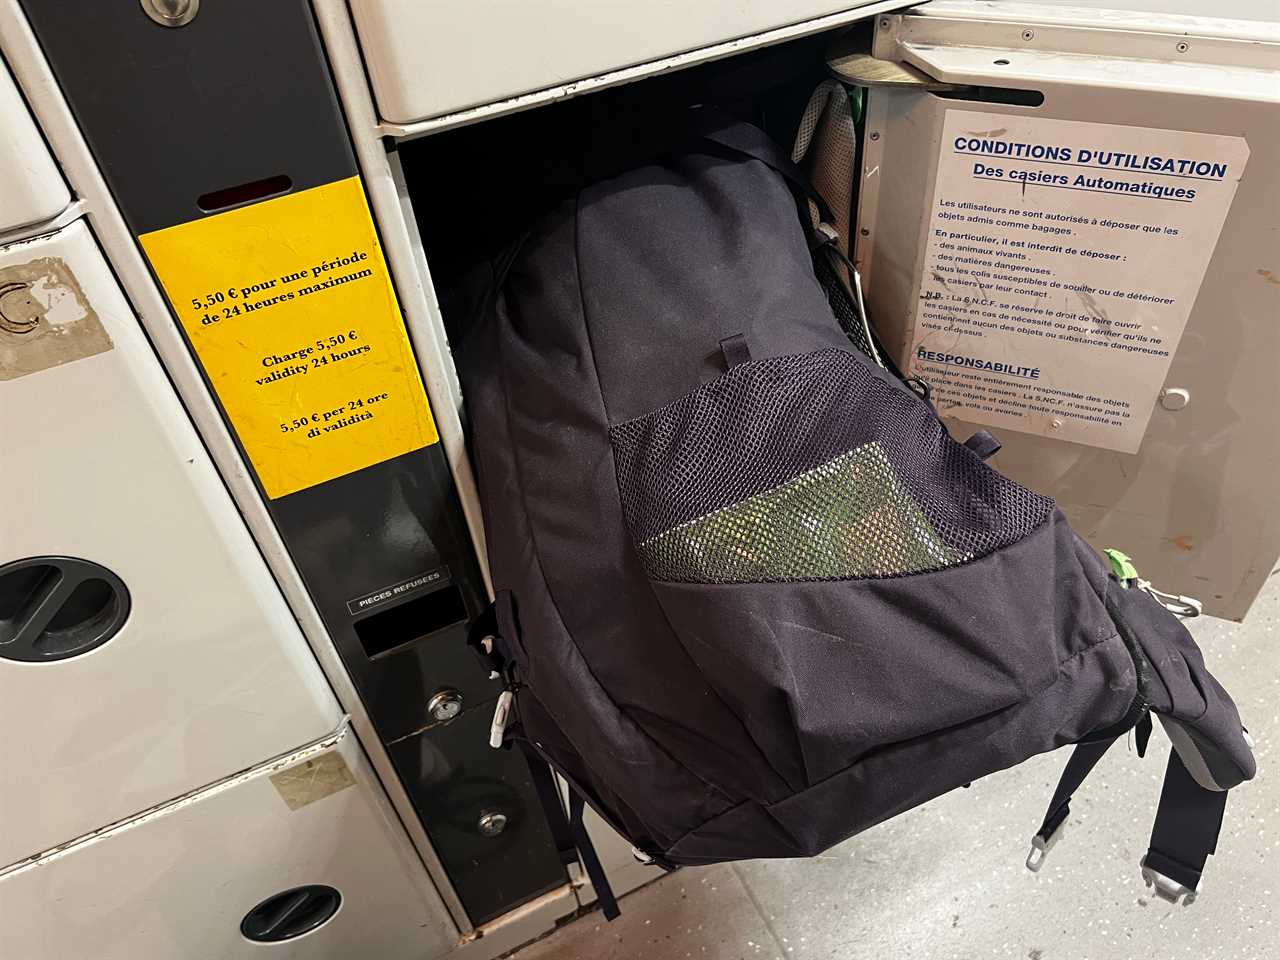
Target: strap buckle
[
  {"x": 1040, "y": 846},
  {"x": 1166, "y": 888},
  {"x": 501, "y": 717}
]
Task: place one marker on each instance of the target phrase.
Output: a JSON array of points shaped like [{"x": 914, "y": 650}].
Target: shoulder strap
[
  {"x": 714, "y": 126},
  {"x": 1185, "y": 834}
]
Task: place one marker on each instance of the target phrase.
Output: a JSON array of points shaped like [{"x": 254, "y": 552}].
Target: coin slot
[
  {"x": 391, "y": 630},
  {"x": 89, "y": 611},
  {"x": 21, "y": 593},
  {"x": 291, "y": 914},
  {"x": 243, "y": 193}
]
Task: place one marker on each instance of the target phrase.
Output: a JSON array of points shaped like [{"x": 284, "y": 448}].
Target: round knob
[
  {"x": 491, "y": 823},
  {"x": 445, "y": 705},
  {"x": 171, "y": 13}
]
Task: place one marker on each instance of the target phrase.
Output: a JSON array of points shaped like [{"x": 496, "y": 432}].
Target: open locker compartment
[{"x": 472, "y": 192}]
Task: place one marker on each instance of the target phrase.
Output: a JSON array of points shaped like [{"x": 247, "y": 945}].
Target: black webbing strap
[
  {"x": 1185, "y": 834},
  {"x": 544, "y": 783},
  {"x": 572, "y": 840},
  {"x": 1083, "y": 759},
  {"x": 595, "y": 872}
]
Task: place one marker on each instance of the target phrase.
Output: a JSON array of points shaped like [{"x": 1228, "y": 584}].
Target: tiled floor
[{"x": 946, "y": 880}]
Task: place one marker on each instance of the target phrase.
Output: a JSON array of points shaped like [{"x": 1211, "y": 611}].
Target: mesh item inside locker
[{"x": 808, "y": 467}]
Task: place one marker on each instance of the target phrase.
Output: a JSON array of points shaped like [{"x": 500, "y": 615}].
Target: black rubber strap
[
  {"x": 1187, "y": 825},
  {"x": 983, "y": 444},
  {"x": 587, "y": 850},
  {"x": 1083, "y": 759},
  {"x": 544, "y": 783},
  {"x": 735, "y": 350}
]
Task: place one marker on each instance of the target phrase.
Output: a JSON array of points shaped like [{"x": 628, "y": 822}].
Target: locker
[
  {"x": 423, "y": 117},
  {"x": 182, "y": 880},
  {"x": 205, "y": 672},
  {"x": 422, "y": 58}
]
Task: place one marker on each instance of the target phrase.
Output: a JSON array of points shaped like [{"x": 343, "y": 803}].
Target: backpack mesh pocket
[{"x": 808, "y": 467}]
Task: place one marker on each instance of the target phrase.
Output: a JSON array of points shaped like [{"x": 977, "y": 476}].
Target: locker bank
[{"x": 242, "y": 546}]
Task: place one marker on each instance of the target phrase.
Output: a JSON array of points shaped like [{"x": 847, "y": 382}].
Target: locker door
[
  {"x": 1067, "y": 226},
  {"x": 144, "y": 649}
]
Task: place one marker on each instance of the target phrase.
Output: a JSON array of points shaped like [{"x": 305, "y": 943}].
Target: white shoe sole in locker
[
  {"x": 209, "y": 674},
  {"x": 176, "y": 885}
]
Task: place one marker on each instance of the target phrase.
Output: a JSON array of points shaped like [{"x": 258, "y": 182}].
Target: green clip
[{"x": 1121, "y": 565}]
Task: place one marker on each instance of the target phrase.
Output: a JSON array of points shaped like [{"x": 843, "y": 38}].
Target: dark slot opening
[
  {"x": 1013, "y": 95},
  {"x": 92, "y": 606},
  {"x": 412, "y": 621},
  {"x": 244, "y": 193},
  {"x": 21, "y": 591}
]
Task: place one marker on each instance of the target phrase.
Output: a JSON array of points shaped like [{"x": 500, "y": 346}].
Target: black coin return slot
[
  {"x": 409, "y": 622},
  {"x": 52, "y": 608},
  {"x": 290, "y": 914}
]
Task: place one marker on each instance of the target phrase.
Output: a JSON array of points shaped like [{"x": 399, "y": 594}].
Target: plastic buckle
[
  {"x": 501, "y": 716},
  {"x": 1040, "y": 847},
  {"x": 1166, "y": 888}
]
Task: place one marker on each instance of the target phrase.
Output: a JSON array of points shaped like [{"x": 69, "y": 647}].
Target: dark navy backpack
[{"x": 751, "y": 596}]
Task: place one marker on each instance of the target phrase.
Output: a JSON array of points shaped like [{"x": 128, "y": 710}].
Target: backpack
[{"x": 751, "y": 597}]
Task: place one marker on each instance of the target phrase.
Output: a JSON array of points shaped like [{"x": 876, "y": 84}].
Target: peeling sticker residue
[
  {"x": 45, "y": 319},
  {"x": 313, "y": 780}
]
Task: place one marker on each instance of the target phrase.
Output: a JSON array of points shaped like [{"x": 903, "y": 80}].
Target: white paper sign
[{"x": 1061, "y": 263}]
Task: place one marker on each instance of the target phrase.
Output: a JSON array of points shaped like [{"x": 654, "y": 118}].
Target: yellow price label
[{"x": 290, "y": 309}]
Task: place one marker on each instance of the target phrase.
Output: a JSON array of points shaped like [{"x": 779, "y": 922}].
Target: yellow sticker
[{"x": 290, "y": 309}]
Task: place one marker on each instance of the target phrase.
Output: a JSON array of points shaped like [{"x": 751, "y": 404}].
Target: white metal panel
[
  {"x": 428, "y": 59},
  {"x": 1195, "y": 505},
  {"x": 31, "y": 188},
  {"x": 210, "y": 674},
  {"x": 38, "y": 83},
  {"x": 177, "y": 883}
]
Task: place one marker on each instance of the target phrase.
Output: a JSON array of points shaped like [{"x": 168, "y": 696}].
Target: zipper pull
[
  {"x": 501, "y": 716},
  {"x": 1185, "y": 607}
]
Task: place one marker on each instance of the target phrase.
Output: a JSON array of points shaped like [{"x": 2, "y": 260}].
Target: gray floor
[{"x": 946, "y": 880}]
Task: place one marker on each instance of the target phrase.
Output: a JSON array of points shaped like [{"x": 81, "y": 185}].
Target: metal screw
[
  {"x": 171, "y": 13},
  {"x": 445, "y": 705},
  {"x": 865, "y": 232},
  {"x": 1175, "y": 398},
  {"x": 1028, "y": 34},
  {"x": 884, "y": 23},
  {"x": 1056, "y": 424},
  {"x": 1182, "y": 46},
  {"x": 491, "y": 823},
  {"x": 875, "y": 134}
]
